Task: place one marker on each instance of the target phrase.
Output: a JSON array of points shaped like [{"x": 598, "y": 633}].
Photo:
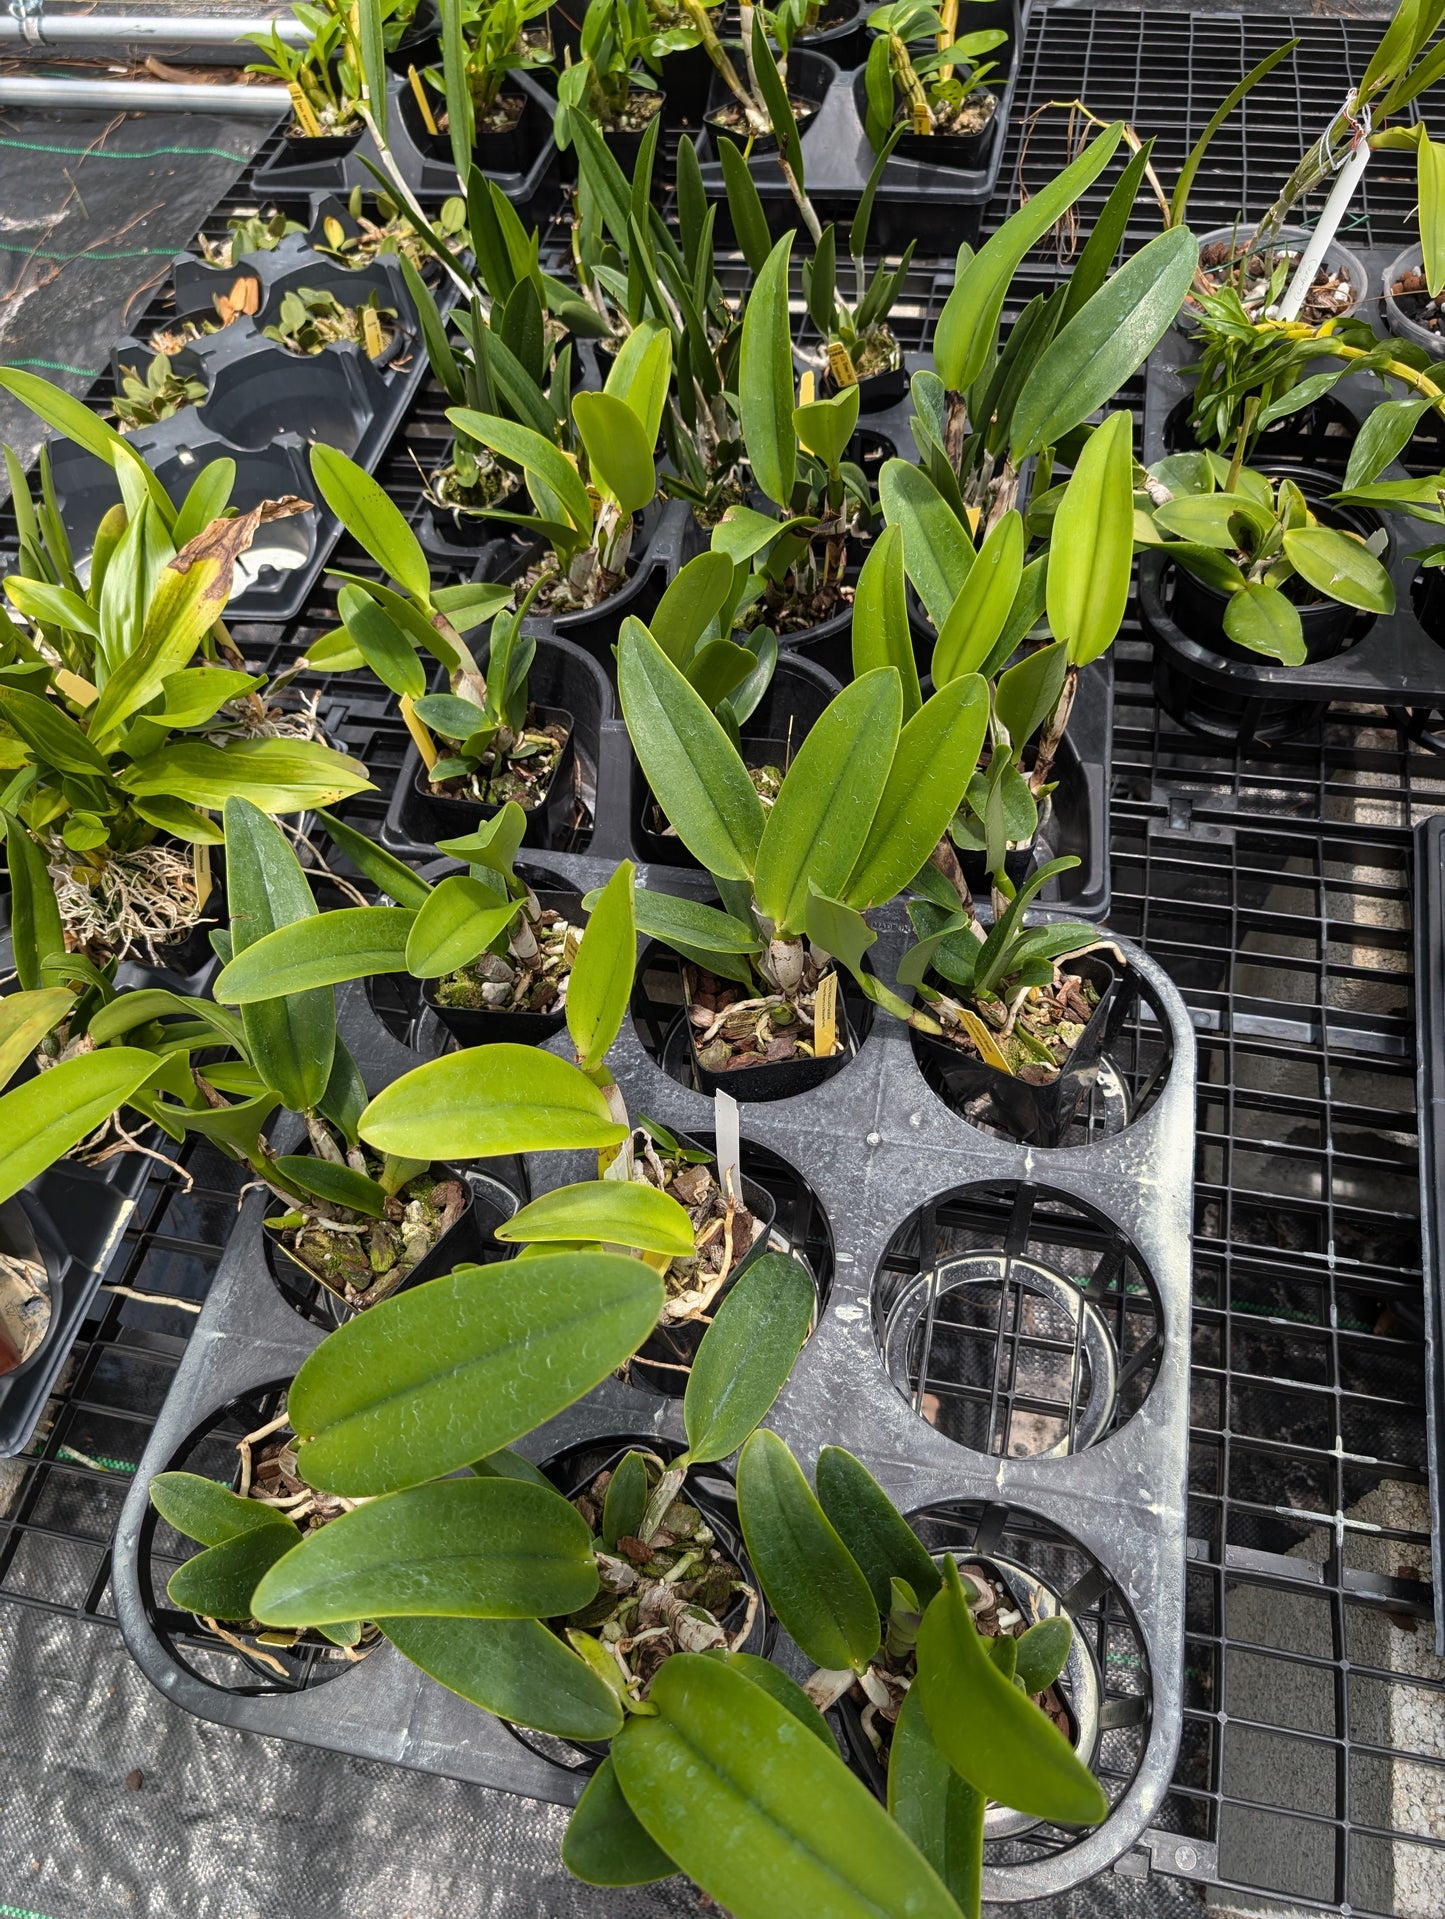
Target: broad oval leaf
[
  {"x": 381, "y": 643},
  {"x": 1263, "y": 619},
  {"x": 339, "y": 1185},
  {"x": 691, "y": 603},
  {"x": 819, "y": 823},
  {"x": 41, "y": 1120},
  {"x": 761, "y": 1815},
  {"x": 527, "y": 449},
  {"x": 881, "y": 632},
  {"x": 765, "y": 379},
  {"x": 1384, "y": 434},
  {"x": 604, "y": 1844},
  {"x": 811, "y": 1580},
  {"x": 937, "y": 550},
  {"x": 488, "y": 1100},
  {"x": 1091, "y": 548},
  {"x": 277, "y": 776},
  {"x": 691, "y": 765},
  {"x": 618, "y": 452},
  {"x": 625, "y": 1506},
  {"x": 211, "y": 1513},
  {"x": 25, "y": 1019},
  {"x": 941, "y": 1813},
  {"x": 350, "y": 942},
  {"x": 992, "y": 1734},
  {"x": 620, "y": 1212},
  {"x": 462, "y": 1366},
  {"x": 667, "y": 916},
  {"x": 981, "y": 611},
  {"x": 221, "y": 1582},
  {"x": 516, "y": 1668},
  {"x": 601, "y": 982},
  {"x": 371, "y": 518},
  {"x": 1042, "y": 1652},
  {"x": 872, "y": 1528},
  {"x": 746, "y": 1355},
  {"x": 935, "y": 759},
  {"x": 460, "y": 920},
  {"x": 1106, "y": 342},
  {"x": 1341, "y": 568},
  {"x": 457, "y": 1548}
]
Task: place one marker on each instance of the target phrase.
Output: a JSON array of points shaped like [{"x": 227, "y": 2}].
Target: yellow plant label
[
  {"x": 840, "y": 365},
  {"x": 807, "y": 387},
  {"x": 201, "y": 867},
  {"x": 425, "y": 745},
  {"x": 825, "y": 1017},
  {"x": 423, "y": 105},
  {"x": 75, "y": 688},
  {"x": 371, "y": 333},
  {"x": 305, "y": 114},
  {"x": 922, "y": 118},
  {"x": 983, "y": 1039}
]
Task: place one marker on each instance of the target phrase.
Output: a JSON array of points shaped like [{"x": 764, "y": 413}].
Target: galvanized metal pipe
[
  {"x": 153, "y": 96},
  {"x": 167, "y": 29}
]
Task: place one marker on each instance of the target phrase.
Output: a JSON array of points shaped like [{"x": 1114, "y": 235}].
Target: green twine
[
  {"x": 57, "y": 366},
  {"x": 94, "y": 153}
]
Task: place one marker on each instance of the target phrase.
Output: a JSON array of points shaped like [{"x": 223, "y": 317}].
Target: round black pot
[
  {"x": 1319, "y": 437},
  {"x": 841, "y": 33},
  {"x": 1035, "y": 1115},
  {"x": 712, "y": 1492},
  {"x": 1201, "y": 677},
  {"x": 469, "y": 1242},
  {"x": 479, "y": 1026},
  {"x": 455, "y": 817}
]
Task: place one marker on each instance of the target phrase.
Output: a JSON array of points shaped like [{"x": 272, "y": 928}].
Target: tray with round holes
[{"x": 1002, "y": 1336}]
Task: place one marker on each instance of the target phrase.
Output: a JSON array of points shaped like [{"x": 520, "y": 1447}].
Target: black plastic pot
[
  {"x": 712, "y": 1492},
  {"x": 1036, "y": 1115},
  {"x": 962, "y": 150},
  {"x": 841, "y": 33},
  {"x": 563, "y": 682},
  {"x": 455, "y": 816},
  {"x": 783, "y": 1079},
  {"x": 478, "y": 1026},
  {"x": 625, "y": 144},
  {"x": 805, "y": 111},
  {"x": 469, "y": 1242}
]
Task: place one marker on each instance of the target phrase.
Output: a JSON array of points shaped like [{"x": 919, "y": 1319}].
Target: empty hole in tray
[
  {"x": 800, "y": 1229},
  {"x": 1111, "y": 1661},
  {"x": 211, "y": 1451},
  {"x": 660, "y": 1017},
  {"x": 1133, "y": 1065},
  {"x": 1017, "y": 1322}
]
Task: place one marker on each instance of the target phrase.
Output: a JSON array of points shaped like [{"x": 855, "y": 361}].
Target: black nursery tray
[
  {"x": 264, "y": 406},
  {"x": 1430, "y": 1081},
  {"x": 423, "y": 159},
  {"x": 1395, "y": 662},
  {"x": 938, "y": 206},
  {"x": 982, "y": 1304}
]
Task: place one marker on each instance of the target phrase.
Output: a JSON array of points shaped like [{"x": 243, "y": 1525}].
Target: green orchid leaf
[
  {"x": 53, "y": 737},
  {"x": 459, "y": 1367},
  {"x": 746, "y": 1355},
  {"x": 490, "y": 1100},
  {"x": 935, "y": 758},
  {"x": 1341, "y": 568},
  {"x": 968, "y": 325},
  {"x": 457, "y": 1548},
  {"x": 372, "y": 519},
  {"x": 678, "y": 921},
  {"x": 25, "y": 1018},
  {"x": 940, "y": 1812},
  {"x": 277, "y": 775},
  {"x": 1041, "y": 1653},
  {"x": 43, "y": 1118},
  {"x": 824, "y": 427},
  {"x": 691, "y": 603},
  {"x": 811, "y": 1580},
  {"x": 625, "y": 1505},
  {"x": 37, "y": 932},
  {"x": 381, "y": 643},
  {"x": 221, "y": 1582},
  {"x": 978, "y": 616},
  {"x": 618, "y": 1212},
  {"x": 74, "y": 419},
  {"x": 1266, "y": 621},
  {"x": 337, "y": 1184},
  {"x": 604, "y": 1844},
  {"x": 197, "y": 693},
  {"x": 1384, "y": 435},
  {"x": 494, "y": 843},
  {"x": 763, "y": 1821},
  {"x": 777, "y": 1685},
  {"x": 992, "y": 1734},
  {"x": 460, "y": 920},
  {"x": 601, "y": 984},
  {"x": 1105, "y": 343},
  {"x": 205, "y": 1511},
  {"x": 1430, "y": 178},
  {"x": 872, "y": 1528},
  {"x": 765, "y": 379},
  {"x": 1029, "y": 691},
  {"x": 691, "y": 765},
  {"x": 937, "y": 550},
  {"x": 1091, "y": 548},
  {"x": 351, "y": 942},
  {"x": 374, "y": 863},
  {"x": 619, "y": 454},
  {"x": 881, "y": 632},
  {"x": 536, "y": 456},
  {"x": 819, "y": 823}
]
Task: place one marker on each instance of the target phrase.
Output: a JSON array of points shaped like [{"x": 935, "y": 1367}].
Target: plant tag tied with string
[{"x": 729, "y": 1144}]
